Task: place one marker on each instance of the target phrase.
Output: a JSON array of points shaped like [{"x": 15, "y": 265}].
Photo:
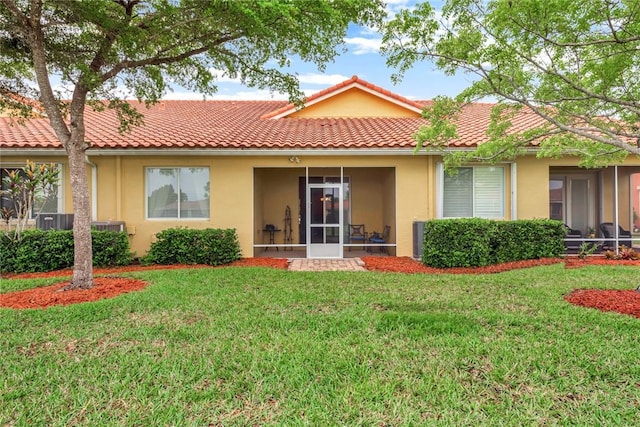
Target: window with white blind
[{"x": 476, "y": 191}]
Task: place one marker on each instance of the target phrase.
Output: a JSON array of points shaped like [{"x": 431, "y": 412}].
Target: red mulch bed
[
  {"x": 47, "y": 296},
  {"x": 575, "y": 262},
  {"x": 104, "y": 287},
  {"x": 409, "y": 265},
  {"x": 621, "y": 301}
]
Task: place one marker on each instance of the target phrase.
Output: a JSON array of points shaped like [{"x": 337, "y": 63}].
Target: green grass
[{"x": 252, "y": 346}]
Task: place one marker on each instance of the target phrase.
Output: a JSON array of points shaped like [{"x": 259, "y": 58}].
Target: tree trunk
[
  {"x": 82, "y": 254},
  {"x": 71, "y": 136}
]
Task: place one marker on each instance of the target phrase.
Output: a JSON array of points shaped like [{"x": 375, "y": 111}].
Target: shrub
[
  {"x": 187, "y": 246},
  {"x": 527, "y": 239},
  {"x": 110, "y": 248},
  {"x": 457, "y": 243},
  {"x": 624, "y": 253},
  {"x": 475, "y": 242},
  {"x": 40, "y": 250}
]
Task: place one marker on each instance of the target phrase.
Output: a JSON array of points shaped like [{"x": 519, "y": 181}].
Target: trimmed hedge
[
  {"x": 49, "y": 250},
  {"x": 528, "y": 239},
  {"x": 186, "y": 246},
  {"x": 457, "y": 243},
  {"x": 476, "y": 242}
]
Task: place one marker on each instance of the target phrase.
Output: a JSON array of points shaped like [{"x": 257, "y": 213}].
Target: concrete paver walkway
[{"x": 346, "y": 264}]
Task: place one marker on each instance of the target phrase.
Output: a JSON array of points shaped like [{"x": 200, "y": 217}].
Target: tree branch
[
  {"x": 35, "y": 40},
  {"x": 521, "y": 143},
  {"x": 16, "y": 12},
  {"x": 163, "y": 60},
  {"x": 633, "y": 106},
  {"x": 587, "y": 133},
  {"x": 593, "y": 134}
]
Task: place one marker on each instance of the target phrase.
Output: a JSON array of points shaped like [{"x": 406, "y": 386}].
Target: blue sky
[{"x": 363, "y": 59}]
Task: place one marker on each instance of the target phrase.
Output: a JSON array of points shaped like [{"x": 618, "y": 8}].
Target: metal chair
[
  {"x": 357, "y": 234},
  {"x": 382, "y": 238}
]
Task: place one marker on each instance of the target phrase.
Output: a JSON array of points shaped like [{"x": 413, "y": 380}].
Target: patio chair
[
  {"x": 608, "y": 232},
  {"x": 572, "y": 233},
  {"x": 381, "y": 238},
  {"x": 357, "y": 234}
]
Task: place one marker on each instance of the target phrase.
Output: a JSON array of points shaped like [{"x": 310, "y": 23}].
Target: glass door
[
  {"x": 572, "y": 199},
  {"x": 581, "y": 206},
  {"x": 324, "y": 220}
]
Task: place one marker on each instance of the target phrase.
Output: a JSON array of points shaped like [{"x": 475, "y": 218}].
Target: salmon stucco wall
[
  {"x": 244, "y": 197},
  {"x": 250, "y": 191},
  {"x": 354, "y": 103},
  {"x": 127, "y": 200},
  {"x": 532, "y": 188},
  {"x": 415, "y": 194}
]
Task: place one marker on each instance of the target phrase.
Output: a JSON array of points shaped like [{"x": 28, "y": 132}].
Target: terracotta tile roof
[
  {"x": 35, "y": 133},
  {"x": 36, "y": 107},
  {"x": 238, "y": 125}
]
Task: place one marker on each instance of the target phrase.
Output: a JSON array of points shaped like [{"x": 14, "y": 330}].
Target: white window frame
[
  {"x": 176, "y": 218},
  {"x": 440, "y": 178},
  {"x": 61, "y": 185}
]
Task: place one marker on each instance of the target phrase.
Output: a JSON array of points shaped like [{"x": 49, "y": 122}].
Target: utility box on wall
[
  {"x": 418, "y": 238},
  {"x": 108, "y": 225},
  {"x": 54, "y": 221}
]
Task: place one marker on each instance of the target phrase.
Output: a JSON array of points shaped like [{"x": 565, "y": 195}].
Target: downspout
[
  {"x": 439, "y": 189},
  {"x": 94, "y": 188},
  {"x": 616, "y": 212},
  {"x": 514, "y": 191}
]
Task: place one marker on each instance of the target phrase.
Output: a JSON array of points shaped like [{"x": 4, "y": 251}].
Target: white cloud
[
  {"x": 394, "y": 6},
  {"x": 184, "y": 96},
  {"x": 222, "y": 77},
  {"x": 310, "y": 78},
  {"x": 399, "y": 3},
  {"x": 232, "y": 92},
  {"x": 252, "y": 95},
  {"x": 363, "y": 46},
  {"x": 322, "y": 79},
  {"x": 242, "y": 95}
]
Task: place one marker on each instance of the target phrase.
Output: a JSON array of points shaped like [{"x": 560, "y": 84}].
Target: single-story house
[{"x": 296, "y": 179}]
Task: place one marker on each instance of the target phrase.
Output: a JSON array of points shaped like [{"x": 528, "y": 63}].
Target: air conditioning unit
[
  {"x": 109, "y": 226},
  {"x": 54, "y": 221},
  {"x": 418, "y": 238}
]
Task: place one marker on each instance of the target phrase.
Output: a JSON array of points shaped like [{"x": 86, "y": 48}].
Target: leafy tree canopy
[
  {"x": 147, "y": 45},
  {"x": 573, "y": 63}
]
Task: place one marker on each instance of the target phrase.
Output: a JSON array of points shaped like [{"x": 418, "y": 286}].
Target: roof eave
[
  {"x": 223, "y": 152},
  {"x": 33, "y": 152}
]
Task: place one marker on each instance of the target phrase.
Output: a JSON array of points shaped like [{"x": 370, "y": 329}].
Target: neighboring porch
[
  {"x": 600, "y": 206},
  {"x": 308, "y": 212},
  {"x": 302, "y": 253}
]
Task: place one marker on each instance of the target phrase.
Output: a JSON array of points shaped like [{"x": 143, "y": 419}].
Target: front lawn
[{"x": 259, "y": 346}]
